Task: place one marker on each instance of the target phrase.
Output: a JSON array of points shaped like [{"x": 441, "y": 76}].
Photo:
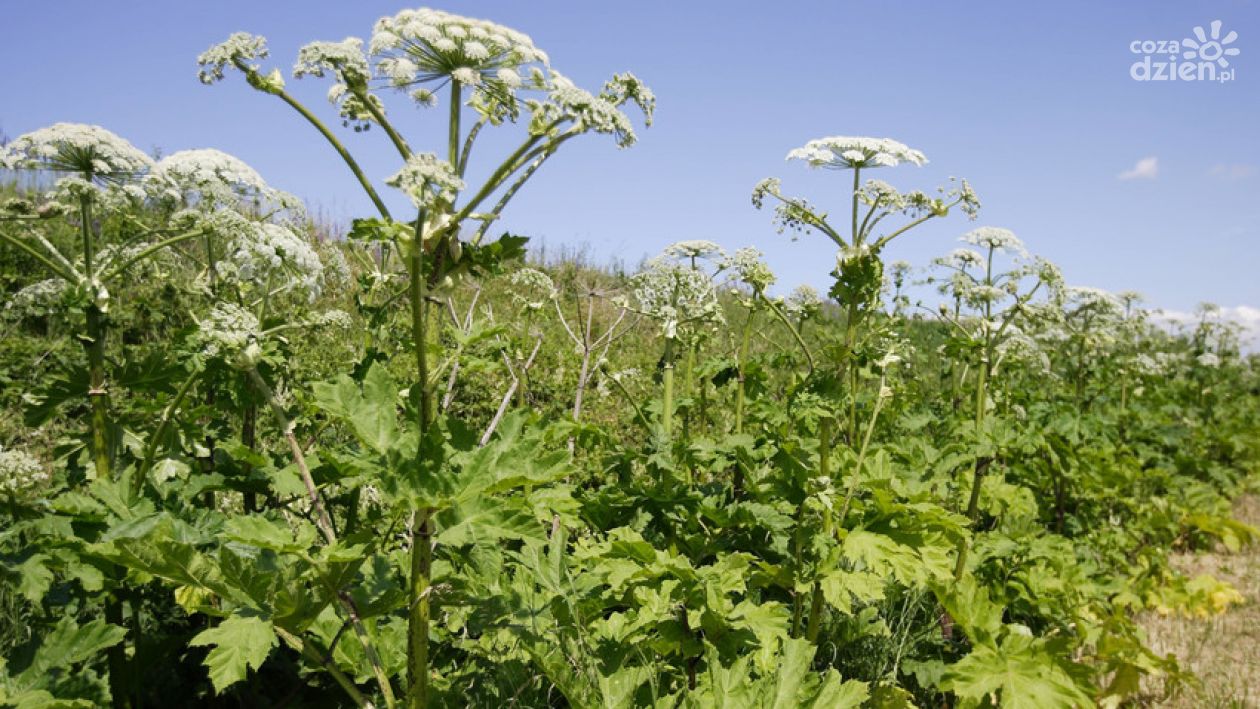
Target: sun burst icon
[{"x": 1211, "y": 48}]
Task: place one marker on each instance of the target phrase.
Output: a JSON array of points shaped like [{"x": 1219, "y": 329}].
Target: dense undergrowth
[{"x": 246, "y": 465}]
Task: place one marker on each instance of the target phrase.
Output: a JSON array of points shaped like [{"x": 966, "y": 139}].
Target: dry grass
[{"x": 1224, "y": 651}]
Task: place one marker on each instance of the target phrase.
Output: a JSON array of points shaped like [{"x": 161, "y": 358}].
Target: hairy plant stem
[
  {"x": 307, "y": 650},
  {"x": 332, "y": 140},
  {"x": 850, "y": 370},
  {"x": 421, "y": 528},
  {"x": 740, "y": 366},
  {"x": 667, "y": 381},
  {"x": 168, "y": 414},
  {"x": 982, "y": 462},
  {"x": 824, "y": 471},
  {"x": 324, "y": 522},
  {"x": 58, "y": 266},
  {"x": 816, "y": 605},
  {"x": 116, "y": 656},
  {"x": 94, "y": 346}
]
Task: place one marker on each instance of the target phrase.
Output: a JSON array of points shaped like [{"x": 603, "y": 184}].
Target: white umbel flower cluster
[
  {"x": 39, "y": 299},
  {"x": 240, "y": 49},
  {"x": 430, "y": 46},
  {"x": 843, "y": 152},
  {"x": 1018, "y": 347},
  {"x": 586, "y": 111},
  {"x": 346, "y": 61},
  {"x": 230, "y": 332},
  {"x": 803, "y": 302},
  {"x": 427, "y": 179},
  {"x": 207, "y": 176},
  {"x": 335, "y": 319},
  {"x": 694, "y": 249},
  {"x": 272, "y": 256},
  {"x": 1209, "y": 359},
  {"x": 532, "y": 289},
  {"x": 1096, "y": 299},
  {"x": 344, "y": 58},
  {"x": 995, "y": 238},
  {"x": 676, "y": 296},
  {"x": 21, "y": 474},
  {"x": 748, "y": 266},
  {"x": 114, "y": 196},
  {"x": 91, "y": 151}
]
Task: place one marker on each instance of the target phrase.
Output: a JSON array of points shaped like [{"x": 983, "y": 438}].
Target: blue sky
[{"x": 1032, "y": 102}]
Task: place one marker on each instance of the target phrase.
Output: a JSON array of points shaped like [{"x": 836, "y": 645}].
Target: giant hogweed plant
[
  {"x": 859, "y": 272},
  {"x": 804, "y": 519},
  {"x": 496, "y": 75},
  {"x": 108, "y": 181},
  {"x": 986, "y": 306}
]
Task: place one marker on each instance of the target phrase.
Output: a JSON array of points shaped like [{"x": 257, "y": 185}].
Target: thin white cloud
[
  {"x": 1245, "y": 316},
  {"x": 1145, "y": 169},
  {"x": 1232, "y": 172}
]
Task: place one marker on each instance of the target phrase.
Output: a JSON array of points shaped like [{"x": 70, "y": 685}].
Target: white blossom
[
  {"x": 426, "y": 178},
  {"x": 840, "y": 152},
  {"x": 676, "y": 296},
  {"x": 36, "y": 300},
  {"x": 425, "y": 45},
  {"x": 91, "y": 151},
  {"x": 961, "y": 259},
  {"x": 694, "y": 249},
  {"x": 532, "y": 289},
  {"x": 586, "y": 111},
  {"x": 265, "y": 255},
  {"x": 344, "y": 58},
  {"x": 749, "y": 267},
  {"x": 21, "y": 474},
  {"x": 230, "y": 332},
  {"x": 1017, "y": 346},
  {"x": 803, "y": 302},
  {"x": 1209, "y": 359},
  {"x": 241, "y": 49},
  {"x": 995, "y": 238},
  {"x": 337, "y": 319},
  {"x": 68, "y": 191},
  {"x": 1097, "y": 299},
  {"x": 207, "y": 176}
]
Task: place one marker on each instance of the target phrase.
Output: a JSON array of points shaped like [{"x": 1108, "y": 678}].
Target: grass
[{"x": 1224, "y": 651}]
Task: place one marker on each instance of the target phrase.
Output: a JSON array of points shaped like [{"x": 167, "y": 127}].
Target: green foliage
[{"x": 418, "y": 483}]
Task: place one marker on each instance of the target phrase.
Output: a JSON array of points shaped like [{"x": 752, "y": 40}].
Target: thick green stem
[
  {"x": 421, "y": 535},
  {"x": 321, "y": 658},
  {"x": 740, "y": 364},
  {"x": 322, "y": 520},
  {"x": 667, "y": 402},
  {"x": 97, "y": 394},
  {"x": 60, "y": 269},
  {"x": 94, "y": 345},
  {"x": 116, "y": 658},
  {"x": 336, "y": 144},
  {"x": 861, "y": 459},
  {"x": 857, "y": 237},
  {"x": 824, "y": 470},
  {"x": 850, "y": 369},
  {"x": 452, "y": 139},
  {"x": 982, "y": 463},
  {"x": 973, "y": 509},
  {"x": 168, "y": 414}
]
